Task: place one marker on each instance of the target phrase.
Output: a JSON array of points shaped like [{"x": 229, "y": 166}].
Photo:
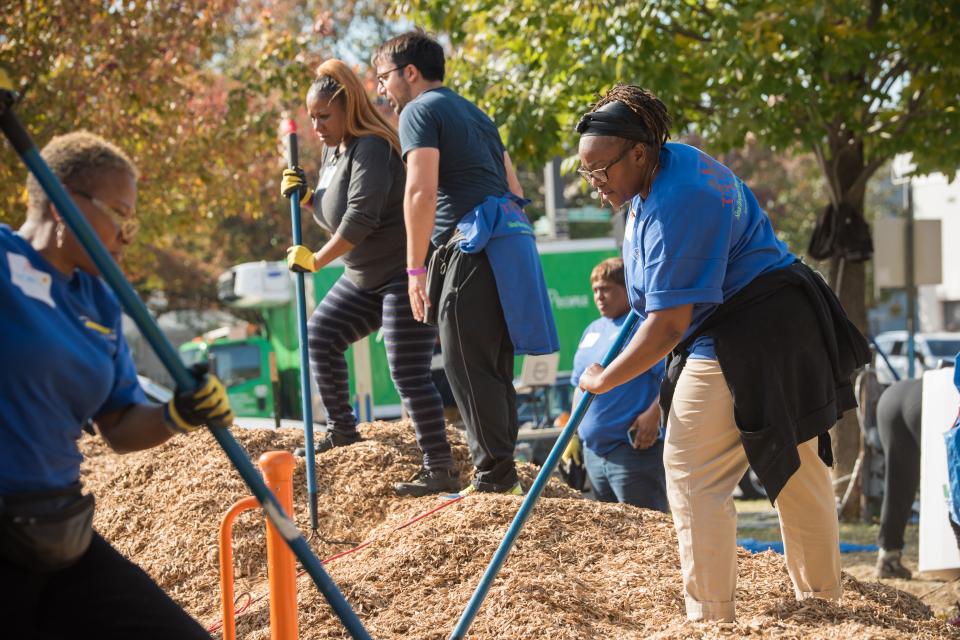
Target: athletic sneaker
[
  {"x": 515, "y": 490},
  {"x": 889, "y": 566},
  {"x": 329, "y": 441},
  {"x": 428, "y": 481}
]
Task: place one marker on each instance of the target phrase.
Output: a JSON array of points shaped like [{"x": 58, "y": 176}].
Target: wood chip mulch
[{"x": 580, "y": 569}]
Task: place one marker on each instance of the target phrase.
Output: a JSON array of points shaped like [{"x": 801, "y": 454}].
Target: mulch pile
[{"x": 580, "y": 569}]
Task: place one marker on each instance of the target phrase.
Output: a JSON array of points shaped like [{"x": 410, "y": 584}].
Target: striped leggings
[{"x": 348, "y": 313}]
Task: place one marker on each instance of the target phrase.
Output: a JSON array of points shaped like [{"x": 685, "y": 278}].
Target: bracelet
[{"x": 418, "y": 271}]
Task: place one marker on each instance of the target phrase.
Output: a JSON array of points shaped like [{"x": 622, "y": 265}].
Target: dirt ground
[{"x": 580, "y": 569}]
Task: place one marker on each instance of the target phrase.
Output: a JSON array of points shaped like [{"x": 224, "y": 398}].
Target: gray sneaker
[
  {"x": 429, "y": 481},
  {"x": 889, "y": 566}
]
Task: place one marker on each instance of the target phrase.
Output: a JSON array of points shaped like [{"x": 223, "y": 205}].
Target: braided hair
[{"x": 646, "y": 106}]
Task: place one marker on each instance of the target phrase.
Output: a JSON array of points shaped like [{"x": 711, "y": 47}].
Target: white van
[{"x": 929, "y": 349}]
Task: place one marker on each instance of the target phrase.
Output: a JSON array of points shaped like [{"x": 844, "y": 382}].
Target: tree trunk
[
  {"x": 845, "y": 176},
  {"x": 846, "y": 435}
]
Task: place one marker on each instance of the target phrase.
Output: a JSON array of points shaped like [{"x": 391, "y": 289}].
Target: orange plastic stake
[
  {"x": 277, "y": 467},
  {"x": 226, "y": 564}
]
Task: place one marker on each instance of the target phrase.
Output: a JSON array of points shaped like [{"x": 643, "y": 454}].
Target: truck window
[
  {"x": 191, "y": 357},
  {"x": 237, "y": 363}
]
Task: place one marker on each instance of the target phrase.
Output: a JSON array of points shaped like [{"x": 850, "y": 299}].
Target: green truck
[{"x": 260, "y": 368}]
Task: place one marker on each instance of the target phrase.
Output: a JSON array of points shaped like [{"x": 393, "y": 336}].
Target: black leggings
[
  {"x": 103, "y": 595},
  {"x": 898, "y": 421},
  {"x": 347, "y": 314}
]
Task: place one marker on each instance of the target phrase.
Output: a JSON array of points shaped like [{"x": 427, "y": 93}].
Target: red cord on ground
[{"x": 251, "y": 600}]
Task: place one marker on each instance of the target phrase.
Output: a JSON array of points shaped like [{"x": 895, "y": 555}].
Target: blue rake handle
[
  {"x": 292, "y": 161},
  {"x": 135, "y": 308},
  {"x": 500, "y": 556}
]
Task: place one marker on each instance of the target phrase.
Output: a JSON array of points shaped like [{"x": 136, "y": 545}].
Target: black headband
[{"x": 614, "y": 119}]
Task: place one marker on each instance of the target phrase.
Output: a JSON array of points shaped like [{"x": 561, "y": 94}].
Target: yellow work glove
[
  {"x": 295, "y": 181},
  {"x": 208, "y": 404},
  {"x": 572, "y": 452},
  {"x": 300, "y": 259}
]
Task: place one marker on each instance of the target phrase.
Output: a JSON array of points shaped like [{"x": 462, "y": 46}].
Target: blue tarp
[{"x": 759, "y": 546}]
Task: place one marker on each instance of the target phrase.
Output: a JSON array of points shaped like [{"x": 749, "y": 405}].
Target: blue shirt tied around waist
[
  {"x": 65, "y": 361},
  {"x": 698, "y": 238},
  {"x": 501, "y": 228},
  {"x": 605, "y": 425}
]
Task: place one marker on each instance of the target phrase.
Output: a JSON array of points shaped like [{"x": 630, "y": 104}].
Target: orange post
[
  {"x": 277, "y": 467},
  {"x": 226, "y": 564}
]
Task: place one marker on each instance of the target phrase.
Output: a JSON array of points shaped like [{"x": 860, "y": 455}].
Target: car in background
[{"x": 931, "y": 349}]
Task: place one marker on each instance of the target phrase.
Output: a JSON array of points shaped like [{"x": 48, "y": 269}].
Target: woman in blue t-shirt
[
  {"x": 732, "y": 306},
  {"x": 67, "y": 363}
]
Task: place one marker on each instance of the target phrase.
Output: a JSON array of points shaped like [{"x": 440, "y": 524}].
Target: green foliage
[{"x": 854, "y": 82}]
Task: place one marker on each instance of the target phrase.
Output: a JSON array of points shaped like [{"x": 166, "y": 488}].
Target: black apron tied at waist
[{"x": 787, "y": 352}]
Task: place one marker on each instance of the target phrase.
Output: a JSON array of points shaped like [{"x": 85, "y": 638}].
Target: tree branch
[
  {"x": 876, "y": 9},
  {"x": 865, "y": 174},
  {"x": 886, "y": 81},
  {"x": 825, "y": 167}
]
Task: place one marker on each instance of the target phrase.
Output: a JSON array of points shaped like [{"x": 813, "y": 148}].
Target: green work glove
[
  {"x": 294, "y": 181},
  {"x": 573, "y": 452},
  {"x": 208, "y": 404},
  {"x": 300, "y": 259}
]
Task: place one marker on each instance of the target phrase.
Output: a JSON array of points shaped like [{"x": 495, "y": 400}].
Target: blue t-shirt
[
  {"x": 698, "y": 238},
  {"x": 956, "y": 372},
  {"x": 65, "y": 361},
  {"x": 471, "y": 153},
  {"x": 604, "y": 427}
]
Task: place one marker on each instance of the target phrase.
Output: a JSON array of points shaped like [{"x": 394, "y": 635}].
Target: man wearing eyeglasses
[{"x": 493, "y": 300}]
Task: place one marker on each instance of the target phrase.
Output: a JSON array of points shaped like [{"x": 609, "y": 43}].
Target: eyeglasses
[
  {"x": 128, "y": 224},
  {"x": 600, "y": 175},
  {"x": 382, "y": 77}
]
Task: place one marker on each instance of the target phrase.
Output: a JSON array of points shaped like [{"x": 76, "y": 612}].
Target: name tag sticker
[
  {"x": 589, "y": 340},
  {"x": 33, "y": 282}
]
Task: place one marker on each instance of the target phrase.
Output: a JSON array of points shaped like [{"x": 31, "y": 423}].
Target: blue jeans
[{"x": 632, "y": 476}]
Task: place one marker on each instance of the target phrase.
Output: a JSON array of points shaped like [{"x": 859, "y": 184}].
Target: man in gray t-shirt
[
  {"x": 455, "y": 159},
  {"x": 472, "y": 165}
]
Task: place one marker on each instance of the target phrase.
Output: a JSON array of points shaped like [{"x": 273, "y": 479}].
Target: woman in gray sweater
[{"x": 359, "y": 201}]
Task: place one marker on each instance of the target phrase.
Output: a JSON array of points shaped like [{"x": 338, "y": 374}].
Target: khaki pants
[{"x": 704, "y": 461}]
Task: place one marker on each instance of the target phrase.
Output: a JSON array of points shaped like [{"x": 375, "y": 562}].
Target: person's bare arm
[
  {"x": 419, "y": 214},
  {"x": 656, "y": 337},
  {"x": 134, "y": 428},
  {"x": 335, "y": 247},
  {"x": 512, "y": 181}
]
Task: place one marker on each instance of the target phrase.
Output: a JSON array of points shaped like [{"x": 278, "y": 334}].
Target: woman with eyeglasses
[
  {"x": 66, "y": 362},
  {"x": 760, "y": 350},
  {"x": 359, "y": 201}
]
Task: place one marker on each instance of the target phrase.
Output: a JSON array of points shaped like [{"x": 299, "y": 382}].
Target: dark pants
[
  {"x": 898, "y": 423},
  {"x": 103, "y": 595},
  {"x": 347, "y": 314},
  {"x": 632, "y": 476},
  {"x": 478, "y": 360}
]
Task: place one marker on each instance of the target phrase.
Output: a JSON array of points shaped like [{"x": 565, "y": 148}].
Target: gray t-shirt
[
  {"x": 360, "y": 196},
  {"x": 471, "y": 153}
]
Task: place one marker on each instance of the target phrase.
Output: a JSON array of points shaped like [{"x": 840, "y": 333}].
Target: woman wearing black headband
[{"x": 760, "y": 351}]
